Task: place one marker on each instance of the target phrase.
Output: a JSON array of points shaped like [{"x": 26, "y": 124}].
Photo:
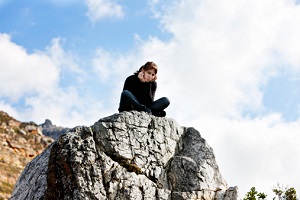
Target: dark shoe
[
  {"x": 147, "y": 110},
  {"x": 160, "y": 113}
]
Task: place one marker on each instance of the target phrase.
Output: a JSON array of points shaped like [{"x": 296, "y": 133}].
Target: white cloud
[
  {"x": 100, "y": 9},
  {"x": 254, "y": 152},
  {"x": 213, "y": 70},
  {"x": 34, "y": 80},
  {"x": 64, "y": 60},
  {"x": 64, "y": 107},
  {"x": 114, "y": 68},
  {"x": 6, "y": 107},
  {"x": 23, "y": 73},
  {"x": 102, "y": 64},
  {"x": 225, "y": 51}
]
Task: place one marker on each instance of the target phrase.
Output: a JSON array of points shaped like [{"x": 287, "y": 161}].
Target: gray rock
[
  {"x": 21, "y": 131},
  {"x": 32, "y": 183},
  {"x": 129, "y": 155}
]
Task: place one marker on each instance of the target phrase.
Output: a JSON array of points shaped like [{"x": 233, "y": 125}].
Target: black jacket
[{"x": 144, "y": 92}]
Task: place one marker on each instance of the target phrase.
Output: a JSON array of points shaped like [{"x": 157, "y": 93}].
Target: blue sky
[{"x": 231, "y": 70}]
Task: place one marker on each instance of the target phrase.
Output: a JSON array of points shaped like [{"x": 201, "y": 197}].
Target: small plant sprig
[
  {"x": 252, "y": 194},
  {"x": 287, "y": 193}
]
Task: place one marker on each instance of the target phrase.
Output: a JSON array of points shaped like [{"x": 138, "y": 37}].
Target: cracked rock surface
[{"x": 129, "y": 155}]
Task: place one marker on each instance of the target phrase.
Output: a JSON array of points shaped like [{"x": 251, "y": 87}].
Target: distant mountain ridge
[{"x": 51, "y": 130}]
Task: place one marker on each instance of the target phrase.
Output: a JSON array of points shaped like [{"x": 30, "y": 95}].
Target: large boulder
[{"x": 129, "y": 155}]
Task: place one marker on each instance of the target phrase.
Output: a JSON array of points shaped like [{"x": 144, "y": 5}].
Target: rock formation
[
  {"x": 129, "y": 155},
  {"x": 51, "y": 130},
  {"x": 20, "y": 142}
]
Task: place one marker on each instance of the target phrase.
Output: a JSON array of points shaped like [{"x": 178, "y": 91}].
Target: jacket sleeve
[
  {"x": 128, "y": 85},
  {"x": 153, "y": 90}
]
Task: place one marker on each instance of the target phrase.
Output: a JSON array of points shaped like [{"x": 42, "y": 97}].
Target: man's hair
[{"x": 148, "y": 66}]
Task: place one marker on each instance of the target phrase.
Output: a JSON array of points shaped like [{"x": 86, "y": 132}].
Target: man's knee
[{"x": 166, "y": 101}]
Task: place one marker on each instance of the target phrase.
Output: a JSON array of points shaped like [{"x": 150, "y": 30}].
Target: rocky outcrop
[
  {"x": 129, "y": 155},
  {"x": 51, "y": 130},
  {"x": 20, "y": 142}
]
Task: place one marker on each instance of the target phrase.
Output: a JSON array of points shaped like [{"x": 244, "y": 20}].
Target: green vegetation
[
  {"x": 252, "y": 194},
  {"x": 6, "y": 187},
  {"x": 286, "y": 193},
  {"x": 261, "y": 195},
  {"x": 281, "y": 193},
  {"x": 290, "y": 194},
  {"x": 11, "y": 173},
  {"x": 10, "y": 168}
]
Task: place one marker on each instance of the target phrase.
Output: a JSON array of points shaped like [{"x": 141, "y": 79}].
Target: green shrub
[
  {"x": 290, "y": 194},
  {"x": 252, "y": 194},
  {"x": 6, "y": 187},
  {"x": 281, "y": 192},
  {"x": 285, "y": 193}
]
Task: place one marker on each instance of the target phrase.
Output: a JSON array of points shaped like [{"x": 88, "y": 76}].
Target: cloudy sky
[{"x": 230, "y": 68}]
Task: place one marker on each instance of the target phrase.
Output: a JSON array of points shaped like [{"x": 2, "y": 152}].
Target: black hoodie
[{"x": 143, "y": 91}]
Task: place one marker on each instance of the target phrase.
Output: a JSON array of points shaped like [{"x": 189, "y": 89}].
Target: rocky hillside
[
  {"x": 129, "y": 155},
  {"x": 20, "y": 142}
]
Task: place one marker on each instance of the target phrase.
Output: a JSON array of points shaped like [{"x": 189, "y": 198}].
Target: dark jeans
[{"x": 130, "y": 102}]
